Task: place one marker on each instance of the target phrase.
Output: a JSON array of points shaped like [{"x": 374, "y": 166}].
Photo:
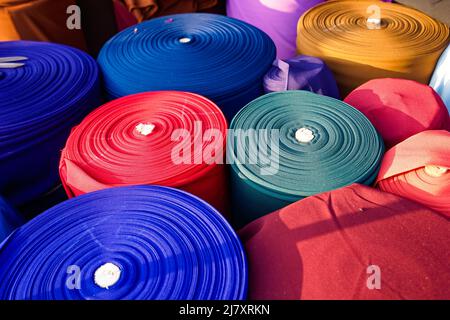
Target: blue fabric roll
[
  {"x": 218, "y": 57},
  {"x": 139, "y": 243},
  {"x": 301, "y": 73},
  {"x": 41, "y": 98},
  {"x": 441, "y": 77},
  {"x": 9, "y": 219}
]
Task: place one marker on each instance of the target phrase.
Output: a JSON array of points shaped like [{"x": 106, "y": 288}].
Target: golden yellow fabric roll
[{"x": 406, "y": 44}]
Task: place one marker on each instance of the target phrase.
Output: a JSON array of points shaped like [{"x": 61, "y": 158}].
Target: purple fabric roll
[
  {"x": 301, "y": 73},
  {"x": 278, "y": 18}
]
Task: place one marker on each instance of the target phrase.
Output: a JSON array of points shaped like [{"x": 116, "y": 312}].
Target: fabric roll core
[
  {"x": 185, "y": 40},
  {"x": 304, "y": 135},
  {"x": 107, "y": 275},
  {"x": 145, "y": 128},
  {"x": 435, "y": 171}
]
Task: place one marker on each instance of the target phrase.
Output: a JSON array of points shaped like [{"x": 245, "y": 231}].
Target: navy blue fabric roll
[
  {"x": 218, "y": 57},
  {"x": 9, "y": 219},
  {"x": 301, "y": 73},
  {"x": 41, "y": 98},
  {"x": 138, "y": 243}
]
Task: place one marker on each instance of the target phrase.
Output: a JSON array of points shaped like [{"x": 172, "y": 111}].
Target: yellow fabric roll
[{"x": 406, "y": 44}]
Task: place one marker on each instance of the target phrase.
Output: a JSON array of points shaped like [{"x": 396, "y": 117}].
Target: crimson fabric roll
[
  {"x": 353, "y": 243},
  {"x": 277, "y": 18},
  {"x": 9, "y": 219},
  {"x": 399, "y": 108},
  {"x": 49, "y": 91},
  {"x": 301, "y": 73},
  {"x": 169, "y": 138},
  {"x": 419, "y": 169}
]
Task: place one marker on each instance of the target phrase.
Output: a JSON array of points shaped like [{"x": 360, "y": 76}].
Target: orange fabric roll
[
  {"x": 419, "y": 169},
  {"x": 40, "y": 20},
  {"x": 406, "y": 44}
]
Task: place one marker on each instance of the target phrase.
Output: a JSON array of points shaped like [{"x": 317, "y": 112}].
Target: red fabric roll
[
  {"x": 173, "y": 139},
  {"x": 419, "y": 169},
  {"x": 352, "y": 243},
  {"x": 399, "y": 108}
]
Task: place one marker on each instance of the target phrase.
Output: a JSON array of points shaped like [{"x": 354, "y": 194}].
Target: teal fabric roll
[{"x": 285, "y": 146}]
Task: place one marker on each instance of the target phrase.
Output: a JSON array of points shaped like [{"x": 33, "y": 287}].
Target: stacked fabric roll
[
  {"x": 351, "y": 243},
  {"x": 45, "y": 89},
  {"x": 441, "y": 77},
  {"x": 9, "y": 219},
  {"x": 399, "y": 108},
  {"x": 215, "y": 56},
  {"x": 419, "y": 169},
  {"x": 293, "y": 144},
  {"x": 400, "y": 43},
  {"x": 301, "y": 73},
  {"x": 278, "y": 18},
  {"x": 138, "y": 243},
  {"x": 169, "y": 138}
]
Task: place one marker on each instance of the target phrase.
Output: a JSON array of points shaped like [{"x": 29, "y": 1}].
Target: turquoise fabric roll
[
  {"x": 314, "y": 144},
  {"x": 441, "y": 78}
]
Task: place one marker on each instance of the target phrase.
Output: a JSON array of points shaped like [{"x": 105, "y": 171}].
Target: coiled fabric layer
[
  {"x": 40, "y": 102},
  {"x": 419, "y": 169},
  {"x": 9, "y": 219},
  {"x": 301, "y": 73},
  {"x": 399, "y": 108},
  {"x": 277, "y": 18},
  {"x": 441, "y": 77},
  {"x": 220, "y": 58},
  {"x": 314, "y": 144},
  {"x": 407, "y": 43},
  {"x": 169, "y": 138},
  {"x": 133, "y": 243},
  {"x": 354, "y": 243}
]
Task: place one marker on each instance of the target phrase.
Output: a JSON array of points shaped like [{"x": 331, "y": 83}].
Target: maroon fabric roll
[{"x": 351, "y": 243}]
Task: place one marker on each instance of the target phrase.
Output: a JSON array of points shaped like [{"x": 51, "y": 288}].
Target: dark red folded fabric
[
  {"x": 399, "y": 108},
  {"x": 168, "y": 138},
  {"x": 419, "y": 169},
  {"x": 347, "y": 243}
]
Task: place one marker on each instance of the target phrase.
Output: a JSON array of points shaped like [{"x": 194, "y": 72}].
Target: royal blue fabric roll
[
  {"x": 138, "y": 243},
  {"x": 218, "y": 57},
  {"x": 301, "y": 73},
  {"x": 441, "y": 77},
  {"x": 41, "y": 98},
  {"x": 9, "y": 219}
]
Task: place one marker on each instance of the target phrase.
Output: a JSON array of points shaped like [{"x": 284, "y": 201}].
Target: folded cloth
[
  {"x": 42, "y": 20},
  {"x": 288, "y": 145},
  {"x": 301, "y": 73},
  {"x": 131, "y": 243},
  {"x": 354, "y": 243},
  {"x": 401, "y": 43},
  {"x": 419, "y": 169},
  {"x": 169, "y": 138},
  {"x": 399, "y": 108}
]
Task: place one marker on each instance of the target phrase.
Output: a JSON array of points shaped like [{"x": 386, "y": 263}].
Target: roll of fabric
[
  {"x": 361, "y": 41},
  {"x": 288, "y": 145},
  {"x": 399, "y": 108},
  {"x": 41, "y": 20},
  {"x": 419, "y": 169},
  {"x": 9, "y": 219},
  {"x": 133, "y": 243},
  {"x": 278, "y": 18},
  {"x": 441, "y": 77},
  {"x": 215, "y": 56},
  {"x": 301, "y": 73},
  {"x": 169, "y": 138},
  {"x": 355, "y": 243},
  {"x": 45, "y": 89}
]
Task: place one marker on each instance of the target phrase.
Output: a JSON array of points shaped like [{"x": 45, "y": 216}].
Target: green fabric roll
[{"x": 323, "y": 144}]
